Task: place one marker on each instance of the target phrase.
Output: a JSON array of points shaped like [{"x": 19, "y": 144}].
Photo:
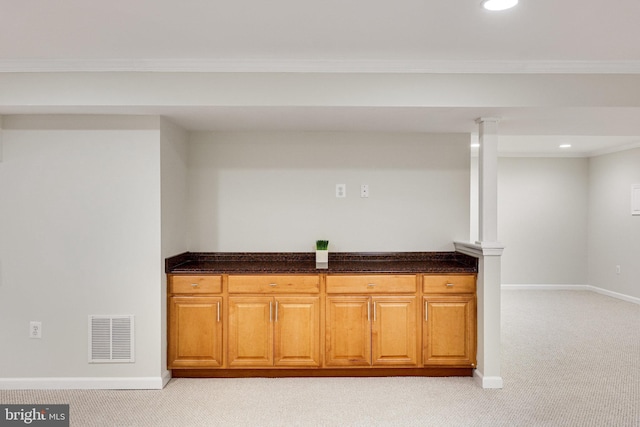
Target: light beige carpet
[{"x": 570, "y": 358}]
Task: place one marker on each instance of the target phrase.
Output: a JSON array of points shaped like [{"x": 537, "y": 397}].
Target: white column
[
  {"x": 488, "y": 251},
  {"x": 488, "y": 179}
]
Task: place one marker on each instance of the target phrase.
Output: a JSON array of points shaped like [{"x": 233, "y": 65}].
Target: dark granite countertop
[{"x": 304, "y": 262}]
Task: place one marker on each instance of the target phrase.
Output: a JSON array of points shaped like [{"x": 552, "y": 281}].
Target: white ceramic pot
[{"x": 322, "y": 259}]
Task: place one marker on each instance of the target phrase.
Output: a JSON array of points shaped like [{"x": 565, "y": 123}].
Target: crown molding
[
  {"x": 545, "y": 154},
  {"x": 615, "y": 149},
  {"x": 321, "y": 66},
  {"x": 569, "y": 154}
]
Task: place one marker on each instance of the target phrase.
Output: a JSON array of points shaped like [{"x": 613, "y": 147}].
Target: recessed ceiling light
[
  {"x": 565, "y": 145},
  {"x": 499, "y": 4}
]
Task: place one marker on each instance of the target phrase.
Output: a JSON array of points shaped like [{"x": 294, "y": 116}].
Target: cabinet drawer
[
  {"x": 449, "y": 283},
  {"x": 274, "y": 284},
  {"x": 371, "y": 284},
  {"x": 195, "y": 284}
]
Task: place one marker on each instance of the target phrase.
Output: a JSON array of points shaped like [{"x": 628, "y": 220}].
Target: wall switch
[
  {"x": 617, "y": 269},
  {"x": 341, "y": 190},
  {"x": 35, "y": 329},
  {"x": 364, "y": 190}
]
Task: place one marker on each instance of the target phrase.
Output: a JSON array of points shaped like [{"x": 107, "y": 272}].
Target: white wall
[
  {"x": 614, "y": 234},
  {"x": 542, "y": 220},
  {"x": 80, "y": 235},
  {"x": 173, "y": 151},
  {"x": 273, "y": 191},
  {"x": 91, "y": 205}
]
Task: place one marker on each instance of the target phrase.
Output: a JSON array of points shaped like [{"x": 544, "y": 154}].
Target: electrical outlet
[
  {"x": 341, "y": 190},
  {"x": 35, "y": 329},
  {"x": 617, "y": 269},
  {"x": 364, "y": 190}
]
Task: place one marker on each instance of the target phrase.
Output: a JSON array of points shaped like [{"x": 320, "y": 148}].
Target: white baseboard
[
  {"x": 49, "y": 383},
  {"x": 530, "y": 287},
  {"x": 486, "y": 381},
  {"x": 533, "y": 287},
  {"x": 617, "y": 295}
]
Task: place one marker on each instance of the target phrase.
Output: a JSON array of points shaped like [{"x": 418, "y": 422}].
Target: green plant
[{"x": 322, "y": 245}]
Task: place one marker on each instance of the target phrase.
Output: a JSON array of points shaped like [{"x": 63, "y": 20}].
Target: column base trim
[{"x": 487, "y": 382}]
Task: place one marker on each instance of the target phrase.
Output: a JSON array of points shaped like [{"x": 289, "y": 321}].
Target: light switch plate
[{"x": 635, "y": 199}]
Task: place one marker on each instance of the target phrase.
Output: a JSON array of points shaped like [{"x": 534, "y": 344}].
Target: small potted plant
[{"x": 322, "y": 254}]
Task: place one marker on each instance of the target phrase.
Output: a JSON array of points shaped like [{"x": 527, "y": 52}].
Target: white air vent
[{"x": 111, "y": 339}]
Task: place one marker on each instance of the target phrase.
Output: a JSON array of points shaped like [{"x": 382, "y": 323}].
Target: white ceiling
[
  {"x": 411, "y": 30},
  {"x": 538, "y": 36}
]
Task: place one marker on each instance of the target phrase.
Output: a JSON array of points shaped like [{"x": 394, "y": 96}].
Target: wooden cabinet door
[
  {"x": 348, "y": 331},
  {"x": 297, "y": 331},
  {"x": 250, "y": 338},
  {"x": 394, "y": 331},
  {"x": 195, "y": 330},
  {"x": 449, "y": 330}
]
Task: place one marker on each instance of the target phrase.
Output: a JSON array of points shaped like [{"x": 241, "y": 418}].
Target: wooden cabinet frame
[
  {"x": 449, "y": 330},
  {"x": 371, "y": 331},
  {"x": 195, "y": 322},
  {"x": 274, "y": 331},
  {"x": 449, "y": 320},
  {"x": 395, "y": 331},
  {"x": 321, "y": 325}
]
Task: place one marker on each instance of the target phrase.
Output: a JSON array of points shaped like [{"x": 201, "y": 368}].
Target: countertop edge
[{"x": 304, "y": 263}]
